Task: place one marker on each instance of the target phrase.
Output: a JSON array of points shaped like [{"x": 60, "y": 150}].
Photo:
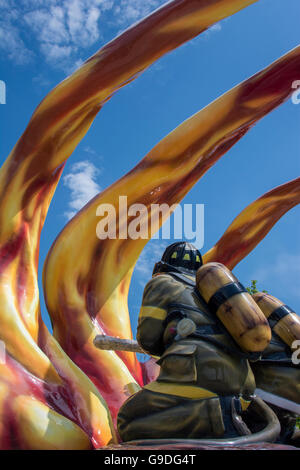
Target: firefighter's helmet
[{"x": 180, "y": 257}]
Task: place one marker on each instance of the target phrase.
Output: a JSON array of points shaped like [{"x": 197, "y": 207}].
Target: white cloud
[
  {"x": 48, "y": 26},
  {"x": 205, "y": 36},
  {"x": 81, "y": 181},
  {"x": 56, "y": 53},
  {"x": 151, "y": 254},
  {"x": 41, "y": 81},
  {"x": 12, "y": 45},
  {"x": 90, "y": 150},
  {"x": 129, "y": 11},
  {"x": 62, "y": 29},
  {"x": 215, "y": 27}
]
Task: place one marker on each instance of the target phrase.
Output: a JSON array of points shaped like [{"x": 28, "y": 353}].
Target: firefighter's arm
[{"x": 158, "y": 294}]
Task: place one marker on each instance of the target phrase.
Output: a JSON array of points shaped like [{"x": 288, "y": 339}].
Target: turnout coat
[{"x": 202, "y": 376}]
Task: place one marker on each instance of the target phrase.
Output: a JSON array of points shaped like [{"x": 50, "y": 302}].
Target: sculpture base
[{"x": 194, "y": 445}]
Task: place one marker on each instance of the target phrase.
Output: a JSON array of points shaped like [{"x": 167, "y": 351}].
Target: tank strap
[
  {"x": 207, "y": 332},
  {"x": 174, "y": 305},
  {"x": 176, "y": 311},
  {"x": 223, "y": 294},
  {"x": 254, "y": 356},
  {"x": 235, "y": 348},
  {"x": 278, "y": 314}
]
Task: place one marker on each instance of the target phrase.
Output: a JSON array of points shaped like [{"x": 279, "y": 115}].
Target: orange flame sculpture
[
  {"x": 253, "y": 224},
  {"x": 60, "y": 392}
]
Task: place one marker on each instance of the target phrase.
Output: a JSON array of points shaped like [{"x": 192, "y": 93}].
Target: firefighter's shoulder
[{"x": 158, "y": 281}]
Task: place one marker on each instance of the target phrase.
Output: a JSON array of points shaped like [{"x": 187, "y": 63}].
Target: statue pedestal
[{"x": 186, "y": 445}]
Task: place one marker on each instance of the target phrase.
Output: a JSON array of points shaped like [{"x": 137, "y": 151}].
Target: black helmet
[{"x": 180, "y": 257}]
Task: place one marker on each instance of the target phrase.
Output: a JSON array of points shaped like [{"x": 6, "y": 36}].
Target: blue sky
[{"x": 41, "y": 42}]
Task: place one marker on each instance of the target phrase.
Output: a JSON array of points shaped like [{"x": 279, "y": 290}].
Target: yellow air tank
[
  {"x": 282, "y": 319},
  {"x": 234, "y": 306}
]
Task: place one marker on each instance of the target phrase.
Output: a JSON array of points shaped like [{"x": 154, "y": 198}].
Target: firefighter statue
[{"x": 205, "y": 330}]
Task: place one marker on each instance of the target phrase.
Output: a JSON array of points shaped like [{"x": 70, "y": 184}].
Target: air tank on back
[{"x": 234, "y": 306}]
